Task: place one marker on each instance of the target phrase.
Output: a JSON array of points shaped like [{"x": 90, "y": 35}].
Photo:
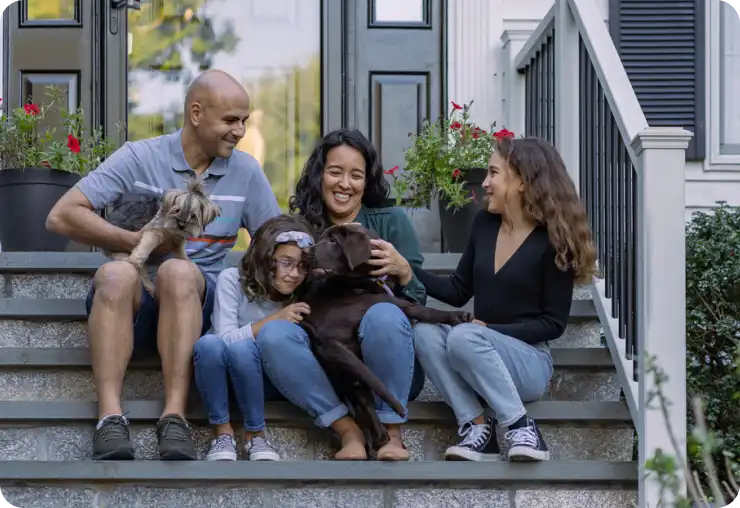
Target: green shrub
[{"x": 713, "y": 329}]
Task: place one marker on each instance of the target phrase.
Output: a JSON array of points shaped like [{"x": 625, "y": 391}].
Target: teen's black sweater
[{"x": 528, "y": 299}]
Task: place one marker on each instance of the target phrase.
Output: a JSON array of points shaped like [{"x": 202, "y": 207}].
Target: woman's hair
[
  {"x": 309, "y": 200},
  {"x": 550, "y": 198},
  {"x": 257, "y": 266}
]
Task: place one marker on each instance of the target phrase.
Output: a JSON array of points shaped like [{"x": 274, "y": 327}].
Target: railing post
[
  {"x": 514, "y": 85},
  {"x": 567, "y": 89},
  {"x": 661, "y": 292}
]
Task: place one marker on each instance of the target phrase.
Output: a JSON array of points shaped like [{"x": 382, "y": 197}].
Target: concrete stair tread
[
  {"x": 88, "y": 262},
  {"x": 74, "y": 309},
  {"x": 333, "y": 472},
  {"x": 39, "y": 358},
  {"x": 58, "y": 411}
]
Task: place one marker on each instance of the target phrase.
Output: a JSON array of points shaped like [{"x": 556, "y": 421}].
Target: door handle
[
  {"x": 114, "y": 19},
  {"x": 128, "y": 4}
]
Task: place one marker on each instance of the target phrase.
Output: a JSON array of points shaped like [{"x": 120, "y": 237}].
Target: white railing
[{"x": 568, "y": 85}]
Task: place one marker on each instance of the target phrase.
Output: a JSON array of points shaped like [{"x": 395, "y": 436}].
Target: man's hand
[{"x": 478, "y": 322}]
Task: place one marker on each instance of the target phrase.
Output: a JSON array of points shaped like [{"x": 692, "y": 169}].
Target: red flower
[
  {"x": 73, "y": 144},
  {"x": 457, "y": 173},
  {"x": 455, "y": 106},
  {"x": 390, "y": 171},
  {"x": 503, "y": 133},
  {"x": 455, "y": 126},
  {"x": 31, "y": 109},
  {"x": 46, "y": 164}
]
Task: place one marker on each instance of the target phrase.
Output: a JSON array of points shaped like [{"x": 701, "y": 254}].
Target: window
[
  {"x": 724, "y": 72},
  {"x": 729, "y": 69}
]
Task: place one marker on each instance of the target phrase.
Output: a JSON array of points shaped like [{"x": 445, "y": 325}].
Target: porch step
[
  {"x": 311, "y": 484},
  {"x": 63, "y": 430}
]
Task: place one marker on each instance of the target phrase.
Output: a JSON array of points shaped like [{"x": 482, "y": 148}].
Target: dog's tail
[{"x": 340, "y": 355}]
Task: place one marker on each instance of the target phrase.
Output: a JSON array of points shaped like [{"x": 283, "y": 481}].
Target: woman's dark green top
[{"x": 394, "y": 226}]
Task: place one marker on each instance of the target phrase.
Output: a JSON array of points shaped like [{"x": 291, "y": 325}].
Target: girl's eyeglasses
[{"x": 288, "y": 265}]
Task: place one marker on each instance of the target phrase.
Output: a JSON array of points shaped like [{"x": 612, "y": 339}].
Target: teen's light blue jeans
[
  {"x": 215, "y": 364},
  {"x": 469, "y": 361},
  {"x": 387, "y": 349}
]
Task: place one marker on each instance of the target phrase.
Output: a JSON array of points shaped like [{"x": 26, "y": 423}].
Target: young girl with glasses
[{"x": 265, "y": 287}]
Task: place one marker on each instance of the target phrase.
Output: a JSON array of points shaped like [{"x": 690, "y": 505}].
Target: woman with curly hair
[
  {"x": 525, "y": 252},
  {"x": 343, "y": 182},
  {"x": 265, "y": 287}
]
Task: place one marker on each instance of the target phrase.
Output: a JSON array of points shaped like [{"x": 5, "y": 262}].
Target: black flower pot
[
  {"x": 26, "y": 197},
  {"x": 456, "y": 223}
]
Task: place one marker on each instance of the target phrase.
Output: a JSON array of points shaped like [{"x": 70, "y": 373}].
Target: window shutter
[{"x": 661, "y": 44}]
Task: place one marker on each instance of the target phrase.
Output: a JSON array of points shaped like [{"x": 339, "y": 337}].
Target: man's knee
[
  {"x": 116, "y": 282},
  {"x": 180, "y": 279},
  {"x": 209, "y": 348}
]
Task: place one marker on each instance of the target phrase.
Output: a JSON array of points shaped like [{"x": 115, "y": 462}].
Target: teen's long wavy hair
[
  {"x": 257, "y": 266},
  {"x": 309, "y": 199},
  {"x": 550, "y": 199}
]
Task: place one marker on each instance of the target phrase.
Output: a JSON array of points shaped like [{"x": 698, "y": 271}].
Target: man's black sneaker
[
  {"x": 111, "y": 440},
  {"x": 526, "y": 443},
  {"x": 175, "y": 441},
  {"x": 479, "y": 443}
]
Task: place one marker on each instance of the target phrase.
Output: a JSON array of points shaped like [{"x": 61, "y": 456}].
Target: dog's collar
[{"x": 380, "y": 281}]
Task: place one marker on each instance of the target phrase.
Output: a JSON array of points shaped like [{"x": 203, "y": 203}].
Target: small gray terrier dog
[{"x": 178, "y": 215}]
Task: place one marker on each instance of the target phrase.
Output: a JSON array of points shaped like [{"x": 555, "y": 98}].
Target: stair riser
[
  {"x": 58, "y": 285},
  {"x": 147, "y": 385},
  {"x": 425, "y": 442},
  {"x": 314, "y": 497},
  {"x": 21, "y": 333}
]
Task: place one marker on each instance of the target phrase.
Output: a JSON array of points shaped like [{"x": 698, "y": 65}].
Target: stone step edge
[
  {"x": 73, "y": 309},
  {"x": 420, "y": 412},
  {"x": 67, "y": 358},
  {"x": 88, "y": 262},
  {"x": 367, "y": 472}
]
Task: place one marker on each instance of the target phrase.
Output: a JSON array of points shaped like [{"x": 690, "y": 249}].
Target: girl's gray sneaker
[
  {"x": 259, "y": 448},
  {"x": 222, "y": 448}
]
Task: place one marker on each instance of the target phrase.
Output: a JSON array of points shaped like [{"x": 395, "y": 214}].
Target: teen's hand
[
  {"x": 294, "y": 312},
  {"x": 389, "y": 261}
]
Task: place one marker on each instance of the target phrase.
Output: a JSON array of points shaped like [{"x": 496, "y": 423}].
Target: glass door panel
[{"x": 272, "y": 46}]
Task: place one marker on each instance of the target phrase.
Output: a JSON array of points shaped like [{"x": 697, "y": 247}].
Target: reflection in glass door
[{"x": 271, "y": 46}]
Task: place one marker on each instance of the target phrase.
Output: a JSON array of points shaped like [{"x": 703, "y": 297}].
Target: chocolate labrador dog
[{"x": 340, "y": 293}]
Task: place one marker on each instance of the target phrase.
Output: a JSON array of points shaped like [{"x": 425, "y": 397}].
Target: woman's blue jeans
[
  {"x": 215, "y": 364},
  {"x": 387, "y": 349}
]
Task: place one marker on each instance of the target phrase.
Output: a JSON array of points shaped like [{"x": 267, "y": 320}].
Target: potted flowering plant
[
  {"x": 448, "y": 159},
  {"x": 37, "y": 166}
]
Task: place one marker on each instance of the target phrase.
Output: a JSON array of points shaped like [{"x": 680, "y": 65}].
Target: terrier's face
[{"x": 188, "y": 211}]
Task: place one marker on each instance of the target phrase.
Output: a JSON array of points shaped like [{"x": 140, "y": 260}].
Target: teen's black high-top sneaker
[
  {"x": 479, "y": 443},
  {"x": 525, "y": 441}
]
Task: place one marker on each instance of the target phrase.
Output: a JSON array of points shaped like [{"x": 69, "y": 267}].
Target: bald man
[{"x": 124, "y": 320}]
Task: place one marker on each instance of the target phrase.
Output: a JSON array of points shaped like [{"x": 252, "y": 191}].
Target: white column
[
  {"x": 661, "y": 290},
  {"x": 472, "y": 57},
  {"x": 514, "y": 107},
  {"x": 567, "y": 89}
]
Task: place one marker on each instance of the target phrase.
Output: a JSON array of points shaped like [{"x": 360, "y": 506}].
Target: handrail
[
  {"x": 534, "y": 41},
  {"x": 609, "y": 68}
]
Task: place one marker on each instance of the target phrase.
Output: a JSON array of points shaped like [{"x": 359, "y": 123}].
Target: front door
[
  {"x": 273, "y": 47},
  {"x": 50, "y": 43},
  {"x": 395, "y": 80}
]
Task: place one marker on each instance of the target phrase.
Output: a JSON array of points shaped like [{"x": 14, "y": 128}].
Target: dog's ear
[{"x": 356, "y": 249}]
